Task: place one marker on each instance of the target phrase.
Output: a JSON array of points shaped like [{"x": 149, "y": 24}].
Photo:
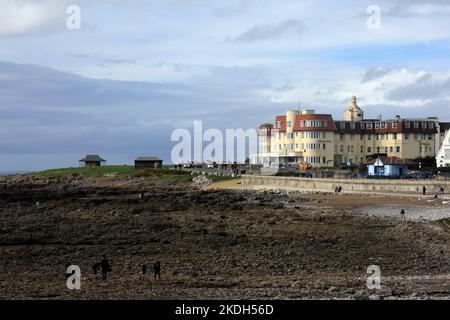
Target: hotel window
[
  {"x": 416, "y": 125},
  {"x": 288, "y": 124},
  {"x": 431, "y": 125},
  {"x": 394, "y": 136},
  {"x": 342, "y": 149},
  {"x": 369, "y": 136},
  {"x": 362, "y": 125},
  {"x": 361, "y": 137},
  {"x": 362, "y": 149},
  {"x": 408, "y": 124},
  {"x": 296, "y": 146},
  {"x": 377, "y": 136},
  {"x": 383, "y": 125},
  {"x": 369, "y": 149},
  {"x": 385, "y": 149},
  {"x": 406, "y": 136},
  {"x": 278, "y": 124},
  {"x": 398, "y": 149},
  {"x": 352, "y": 125},
  {"x": 342, "y": 125},
  {"x": 324, "y": 135},
  {"x": 377, "y": 125},
  {"x": 302, "y": 123},
  {"x": 342, "y": 136},
  {"x": 394, "y": 124},
  {"x": 378, "y": 149},
  {"x": 430, "y": 137},
  {"x": 369, "y": 125},
  {"x": 303, "y": 135},
  {"x": 424, "y": 125},
  {"x": 391, "y": 149},
  {"x": 324, "y": 146}
]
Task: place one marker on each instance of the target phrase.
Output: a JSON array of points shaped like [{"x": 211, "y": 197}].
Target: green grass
[
  {"x": 164, "y": 173},
  {"x": 93, "y": 171}
]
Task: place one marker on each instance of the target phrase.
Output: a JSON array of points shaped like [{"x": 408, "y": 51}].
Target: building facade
[
  {"x": 302, "y": 136},
  {"x": 443, "y": 156}
]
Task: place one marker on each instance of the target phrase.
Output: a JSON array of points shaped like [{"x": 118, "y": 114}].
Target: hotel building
[{"x": 303, "y": 136}]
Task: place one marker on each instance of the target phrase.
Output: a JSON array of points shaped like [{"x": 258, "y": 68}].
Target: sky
[{"x": 134, "y": 71}]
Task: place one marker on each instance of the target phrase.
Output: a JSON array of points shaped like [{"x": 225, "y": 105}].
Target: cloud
[
  {"x": 427, "y": 87},
  {"x": 20, "y": 17},
  {"x": 271, "y": 31},
  {"x": 375, "y": 73}
]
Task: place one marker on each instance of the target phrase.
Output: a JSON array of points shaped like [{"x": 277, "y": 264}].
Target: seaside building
[
  {"x": 391, "y": 167},
  {"x": 303, "y": 136},
  {"x": 443, "y": 156},
  {"x": 92, "y": 160},
  {"x": 147, "y": 162}
]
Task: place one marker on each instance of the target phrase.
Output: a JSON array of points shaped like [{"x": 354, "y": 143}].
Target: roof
[
  {"x": 393, "y": 161},
  {"x": 444, "y": 126},
  {"x": 148, "y": 159},
  {"x": 93, "y": 157}
]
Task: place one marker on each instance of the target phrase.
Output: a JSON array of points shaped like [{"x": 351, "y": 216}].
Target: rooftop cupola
[{"x": 353, "y": 112}]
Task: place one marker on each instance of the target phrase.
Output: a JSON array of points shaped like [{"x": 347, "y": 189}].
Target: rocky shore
[{"x": 212, "y": 244}]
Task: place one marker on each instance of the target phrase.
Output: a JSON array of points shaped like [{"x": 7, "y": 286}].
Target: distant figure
[
  {"x": 336, "y": 190},
  {"x": 441, "y": 190},
  {"x": 340, "y": 189},
  {"x": 157, "y": 270},
  {"x": 403, "y": 213},
  {"x": 96, "y": 268},
  {"x": 105, "y": 267},
  {"x": 143, "y": 272},
  {"x": 436, "y": 196},
  {"x": 424, "y": 190}
]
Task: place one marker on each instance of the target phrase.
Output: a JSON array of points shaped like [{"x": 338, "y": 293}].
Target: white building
[{"x": 443, "y": 156}]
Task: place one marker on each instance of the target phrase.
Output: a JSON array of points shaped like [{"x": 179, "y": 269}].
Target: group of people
[
  {"x": 440, "y": 191},
  {"x": 103, "y": 268},
  {"x": 437, "y": 194},
  {"x": 338, "y": 190},
  {"x": 156, "y": 271}
]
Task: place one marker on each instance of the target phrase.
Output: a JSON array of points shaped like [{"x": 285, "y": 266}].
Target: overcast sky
[{"x": 137, "y": 70}]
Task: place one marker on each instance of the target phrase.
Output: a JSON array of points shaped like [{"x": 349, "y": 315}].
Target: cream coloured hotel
[{"x": 303, "y": 136}]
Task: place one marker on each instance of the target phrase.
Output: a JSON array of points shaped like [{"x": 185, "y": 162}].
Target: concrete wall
[{"x": 328, "y": 185}]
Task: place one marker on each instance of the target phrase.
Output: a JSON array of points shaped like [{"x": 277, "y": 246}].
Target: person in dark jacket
[
  {"x": 143, "y": 272},
  {"x": 157, "y": 270},
  {"x": 105, "y": 267}
]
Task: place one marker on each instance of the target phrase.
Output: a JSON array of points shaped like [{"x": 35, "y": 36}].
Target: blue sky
[{"x": 137, "y": 70}]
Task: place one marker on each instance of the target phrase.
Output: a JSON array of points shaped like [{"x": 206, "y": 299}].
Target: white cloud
[{"x": 18, "y": 17}]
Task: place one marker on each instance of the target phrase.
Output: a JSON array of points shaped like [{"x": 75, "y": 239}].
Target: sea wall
[{"x": 348, "y": 185}]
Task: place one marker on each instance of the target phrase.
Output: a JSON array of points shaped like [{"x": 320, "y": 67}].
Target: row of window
[
  {"x": 303, "y": 146},
  {"x": 387, "y": 136},
  {"x": 315, "y": 160},
  {"x": 302, "y": 135},
  {"x": 384, "y": 124}
]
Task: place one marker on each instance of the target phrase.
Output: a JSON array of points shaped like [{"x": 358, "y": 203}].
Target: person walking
[
  {"x": 143, "y": 272},
  {"x": 157, "y": 270},
  {"x": 441, "y": 190},
  {"x": 105, "y": 267},
  {"x": 403, "y": 214},
  {"x": 424, "y": 190}
]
